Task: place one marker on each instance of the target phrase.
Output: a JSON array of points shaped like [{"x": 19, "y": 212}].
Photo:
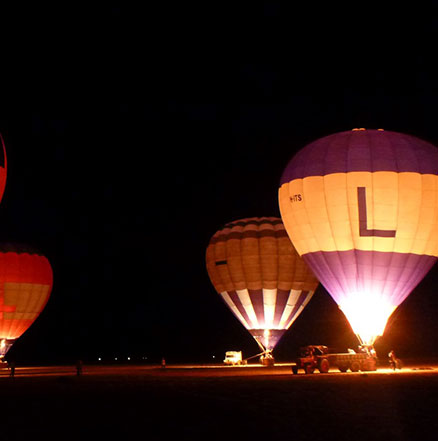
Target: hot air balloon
[
  {"x": 3, "y": 167},
  {"x": 25, "y": 284},
  {"x": 254, "y": 267},
  {"x": 361, "y": 208}
]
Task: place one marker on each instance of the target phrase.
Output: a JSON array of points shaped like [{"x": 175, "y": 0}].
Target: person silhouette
[
  {"x": 392, "y": 359},
  {"x": 11, "y": 366},
  {"x": 79, "y": 368}
]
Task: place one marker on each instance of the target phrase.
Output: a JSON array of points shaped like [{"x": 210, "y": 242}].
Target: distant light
[
  {"x": 99, "y": 359},
  {"x": 129, "y": 358},
  {"x": 115, "y": 359},
  {"x": 214, "y": 356}
]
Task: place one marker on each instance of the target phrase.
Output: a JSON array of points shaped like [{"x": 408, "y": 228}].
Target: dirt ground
[{"x": 179, "y": 403}]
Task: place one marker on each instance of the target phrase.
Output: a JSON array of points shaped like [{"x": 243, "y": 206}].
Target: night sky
[{"x": 146, "y": 130}]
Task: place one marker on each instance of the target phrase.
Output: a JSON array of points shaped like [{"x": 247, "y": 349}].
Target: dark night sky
[{"x": 146, "y": 130}]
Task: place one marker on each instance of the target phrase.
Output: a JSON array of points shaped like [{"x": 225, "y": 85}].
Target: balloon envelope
[
  {"x": 254, "y": 267},
  {"x": 361, "y": 208},
  {"x": 25, "y": 284},
  {"x": 3, "y": 167}
]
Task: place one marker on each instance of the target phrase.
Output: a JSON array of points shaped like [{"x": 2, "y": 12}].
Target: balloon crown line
[
  {"x": 362, "y": 129},
  {"x": 19, "y": 248}
]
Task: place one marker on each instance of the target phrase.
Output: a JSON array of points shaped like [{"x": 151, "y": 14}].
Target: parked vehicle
[
  {"x": 318, "y": 357},
  {"x": 233, "y": 358}
]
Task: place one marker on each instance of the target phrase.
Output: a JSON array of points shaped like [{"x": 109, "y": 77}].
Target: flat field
[{"x": 216, "y": 403}]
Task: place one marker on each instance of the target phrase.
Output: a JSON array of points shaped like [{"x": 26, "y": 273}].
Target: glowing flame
[
  {"x": 267, "y": 335},
  {"x": 367, "y": 314}
]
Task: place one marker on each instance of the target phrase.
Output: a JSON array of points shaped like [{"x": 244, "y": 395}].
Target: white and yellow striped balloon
[{"x": 256, "y": 270}]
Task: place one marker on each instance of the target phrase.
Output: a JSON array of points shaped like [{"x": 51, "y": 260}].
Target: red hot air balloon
[
  {"x": 3, "y": 167},
  {"x": 25, "y": 284},
  {"x": 361, "y": 208},
  {"x": 254, "y": 267}
]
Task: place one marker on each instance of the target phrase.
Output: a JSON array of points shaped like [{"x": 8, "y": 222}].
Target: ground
[{"x": 213, "y": 403}]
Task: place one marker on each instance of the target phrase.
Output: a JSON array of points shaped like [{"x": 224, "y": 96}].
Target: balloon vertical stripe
[
  {"x": 237, "y": 303},
  {"x": 280, "y": 306},
  {"x": 256, "y": 296}
]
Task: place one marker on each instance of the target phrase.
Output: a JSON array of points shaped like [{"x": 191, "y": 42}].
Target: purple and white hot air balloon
[{"x": 361, "y": 208}]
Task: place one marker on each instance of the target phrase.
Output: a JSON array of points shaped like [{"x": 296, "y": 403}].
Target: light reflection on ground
[
  {"x": 210, "y": 370},
  {"x": 200, "y": 402}
]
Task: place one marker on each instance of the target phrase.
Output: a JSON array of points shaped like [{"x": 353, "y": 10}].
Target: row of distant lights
[
  {"x": 116, "y": 358},
  {"x": 129, "y": 358}
]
